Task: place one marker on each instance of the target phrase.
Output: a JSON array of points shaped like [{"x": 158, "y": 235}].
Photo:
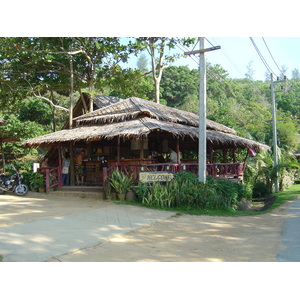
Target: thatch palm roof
[
  {"x": 138, "y": 128},
  {"x": 135, "y": 118},
  {"x": 103, "y": 100},
  {"x": 133, "y": 108}
]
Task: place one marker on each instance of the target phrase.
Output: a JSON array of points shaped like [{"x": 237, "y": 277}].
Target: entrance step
[{"x": 95, "y": 192}]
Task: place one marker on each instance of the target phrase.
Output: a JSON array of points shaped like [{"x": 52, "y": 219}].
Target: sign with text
[{"x": 155, "y": 176}]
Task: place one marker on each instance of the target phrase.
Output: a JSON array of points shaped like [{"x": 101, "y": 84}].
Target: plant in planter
[
  {"x": 131, "y": 195},
  {"x": 121, "y": 183},
  {"x": 27, "y": 179},
  {"x": 38, "y": 182},
  {"x": 108, "y": 190}
]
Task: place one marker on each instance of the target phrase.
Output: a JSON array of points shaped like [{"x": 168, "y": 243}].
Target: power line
[
  {"x": 185, "y": 49},
  {"x": 209, "y": 42},
  {"x": 272, "y": 57},
  {"x": 215, "y": 43},
  {"x": 261, "y": 57},
  {"x": 227, "y": 56}
]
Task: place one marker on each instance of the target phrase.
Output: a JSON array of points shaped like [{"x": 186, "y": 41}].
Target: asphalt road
[{"x": 291, "y": 234}]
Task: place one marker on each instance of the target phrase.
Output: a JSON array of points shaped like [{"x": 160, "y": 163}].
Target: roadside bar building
[{"x": 123, "y": 135}]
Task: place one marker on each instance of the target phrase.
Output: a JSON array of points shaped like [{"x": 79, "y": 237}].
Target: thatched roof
[
  {"x": 138, "y": 128},
  {"x": 133, "y": 108},
  {"x": 135, "y": 118},
  {"x": 103, "y": 101}
]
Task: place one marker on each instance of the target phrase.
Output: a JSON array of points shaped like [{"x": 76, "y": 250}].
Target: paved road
[
  {"x": 291, "y": 234},
  {"x": 40, "y": 240}
]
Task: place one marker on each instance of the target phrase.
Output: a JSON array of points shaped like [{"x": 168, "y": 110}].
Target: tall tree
[
  {"x": 142, "y": 63},
  {"x": 156, "y": 47},
  {"x": 250, "y": 72},
  {"x": 36, "y": 65},
  {"x": 296, "y": 74},
  {"x": 178, "y": 83}
]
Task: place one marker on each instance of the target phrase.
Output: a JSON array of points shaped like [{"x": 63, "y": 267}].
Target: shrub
[
  {"x": 157, "y": 194},
  {"x": 260, "y": 189},
  {"x": 186, "y": 192},
  {"x": 141, "y": 191},
  {"x": 120, "y": 181}
]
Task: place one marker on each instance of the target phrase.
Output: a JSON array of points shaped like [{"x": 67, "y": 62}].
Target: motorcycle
[{"x": 13, "y": 183}]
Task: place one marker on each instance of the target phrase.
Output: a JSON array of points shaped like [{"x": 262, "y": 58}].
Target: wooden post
[
  {"x": 141, "y": 142},
  {"x": 3, "y": 158},
  {"x": 59, "y": 171},
  {"x": 118, "y": 151},
  {"x": 178, "y": 150},
  {"x": 105, "y": 175},
  {"x": 72, "y": 165},
  {"x": 234, "y": 155},
  {"x": 211, "y": 154},
  {"x": 47, "y": 175}
]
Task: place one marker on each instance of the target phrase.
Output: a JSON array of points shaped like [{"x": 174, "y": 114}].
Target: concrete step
[
  {"x": 95, "y": 192},
  {"x": 80, "y": 188}
]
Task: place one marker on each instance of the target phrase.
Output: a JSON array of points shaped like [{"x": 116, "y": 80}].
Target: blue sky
[{"x": 237, "y": 53}]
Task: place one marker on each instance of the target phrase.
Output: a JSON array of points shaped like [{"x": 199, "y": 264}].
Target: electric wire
[
  {"x": 272, "y": 56},
  {"x": 212, "y": 44},
  {"x": 261, "y": 57},
  {"x": 209, "y": 42},
  {"x": 227, "y": 56},
  {"x": 185, "y": 49}
]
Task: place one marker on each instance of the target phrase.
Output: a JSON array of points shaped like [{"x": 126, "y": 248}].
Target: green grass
[{"x": 281, "y": 198}]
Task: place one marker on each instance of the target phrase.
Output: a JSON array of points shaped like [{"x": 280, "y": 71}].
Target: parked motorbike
[{"x": 13, "y": 183}]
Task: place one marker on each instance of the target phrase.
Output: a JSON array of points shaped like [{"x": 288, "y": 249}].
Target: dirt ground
[{"x": 183, "y": 238}]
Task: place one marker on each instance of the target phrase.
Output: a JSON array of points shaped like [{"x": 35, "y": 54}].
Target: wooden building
[{"x": 124, "y": 133}]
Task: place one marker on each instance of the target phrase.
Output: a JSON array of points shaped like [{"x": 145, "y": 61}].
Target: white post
[
  {"x": 202, "y": 108},
  {"x": 274, "y": 131},
  {"x": 202, "y": 114}
]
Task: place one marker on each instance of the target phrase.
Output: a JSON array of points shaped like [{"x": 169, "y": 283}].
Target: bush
[
  {"x": 157, "y": 194},
  {"x": 260, "y": 189},
  {"x": 120, "y": 181},
  {"x": 186, "y": 192}
]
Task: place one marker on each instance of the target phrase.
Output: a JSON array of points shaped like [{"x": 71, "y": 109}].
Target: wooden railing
[
  {"x": 217, "y": 170},
  {"x": 52, "y": 177}
]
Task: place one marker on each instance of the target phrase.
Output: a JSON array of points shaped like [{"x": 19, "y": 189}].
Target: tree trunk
[
  {"x": 157, "y": 68},
  {"x": 71, "y": 92},
  {"x": 53, "y": 113}
]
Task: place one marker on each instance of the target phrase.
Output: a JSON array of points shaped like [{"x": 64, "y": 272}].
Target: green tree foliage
[
  {"x": 242, "y": 104},
  {"x": 156, "y": 48},
  {"x": 177, "y": 84},
  {"x": 126, "y": 83},
  {"x": 41, "y": 66},
  {"x": 36, "y": 110},
  {"x": 142, "y": 63}
]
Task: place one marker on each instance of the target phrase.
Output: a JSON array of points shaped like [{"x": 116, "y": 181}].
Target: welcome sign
[{"x": 155, "y": 176}]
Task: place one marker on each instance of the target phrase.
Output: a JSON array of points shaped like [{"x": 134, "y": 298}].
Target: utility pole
[
  {"x": 72, "y": 166},
  {"x": 274, "y": 132},
  {"x": 202, "y": 108},
  {"x": 275, "y": 153}
]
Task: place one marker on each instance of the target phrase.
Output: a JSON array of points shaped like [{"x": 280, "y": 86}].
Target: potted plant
[
  {"x": 38, "y": 182},
  {"x": 28, "y": 180},
  {"x": 131, "y": 195},
  {"x": 108, "y": 190},
  {"x": 121, "y": 183}
]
